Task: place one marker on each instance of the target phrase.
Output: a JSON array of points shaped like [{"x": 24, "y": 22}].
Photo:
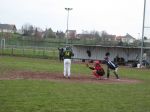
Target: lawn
[
  {"x": 23, "y": 95},
  {"x": 31, "y": 52}
]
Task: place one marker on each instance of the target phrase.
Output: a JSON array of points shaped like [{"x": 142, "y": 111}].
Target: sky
[{"x": 116, "y": 17}]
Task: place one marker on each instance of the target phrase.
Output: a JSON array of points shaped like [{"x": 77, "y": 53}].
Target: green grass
[
  {"x": 50, "y": 96},
  {"x": 30, "y": 52}
]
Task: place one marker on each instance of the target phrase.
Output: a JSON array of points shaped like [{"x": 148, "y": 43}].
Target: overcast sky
[{"x": 114, "y": 16}]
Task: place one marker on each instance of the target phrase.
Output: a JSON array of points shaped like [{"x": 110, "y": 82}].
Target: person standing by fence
[
  {"x": 61, "y": 50},
  {"x": 67, "y": 54}
]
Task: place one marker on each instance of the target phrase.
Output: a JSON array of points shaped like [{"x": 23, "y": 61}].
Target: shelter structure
[{"x": 97, "y": 52}]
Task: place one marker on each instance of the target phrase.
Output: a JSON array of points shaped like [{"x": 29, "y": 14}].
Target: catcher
[{"x": 97, "y": 70}]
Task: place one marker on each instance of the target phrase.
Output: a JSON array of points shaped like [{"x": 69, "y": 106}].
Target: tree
[
  {"x": 95, "y": 34},
  {"x": 49, "y": 33},
  {"x": 38, "y": 33},
  {"x": 145, "y": 38},
  {"x": 60, "y": 34},
  {"x": 27, "y": 29},
  {"x": 104, "y": 35}
]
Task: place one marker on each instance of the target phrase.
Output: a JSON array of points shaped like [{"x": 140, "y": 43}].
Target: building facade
[{"x": 7, "y": 28}]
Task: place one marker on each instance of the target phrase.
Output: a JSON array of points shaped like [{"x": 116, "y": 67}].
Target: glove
[
  {"x": 87, "y": 65},
  {"x": 101, "y": 72}
]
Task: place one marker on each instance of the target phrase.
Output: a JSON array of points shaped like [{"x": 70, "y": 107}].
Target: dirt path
[{"x": 59, "y": 77}]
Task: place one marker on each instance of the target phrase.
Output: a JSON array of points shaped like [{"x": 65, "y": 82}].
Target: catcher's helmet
[{"x": 97, "y": 62}]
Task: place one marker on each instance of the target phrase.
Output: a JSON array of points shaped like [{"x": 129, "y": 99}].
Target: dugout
[{"x": 97, "y": 52}]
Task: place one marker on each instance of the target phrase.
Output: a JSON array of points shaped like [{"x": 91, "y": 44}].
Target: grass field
[
  {"x": 23, "y": 95},
  {"x": 31, "y": 52}
]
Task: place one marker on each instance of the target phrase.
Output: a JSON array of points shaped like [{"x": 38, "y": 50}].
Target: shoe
[
  {"x": 118, "y": 79},
  {"x": 68, "y": 77}
]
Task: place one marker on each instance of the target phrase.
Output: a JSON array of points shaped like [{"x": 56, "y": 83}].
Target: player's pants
[
  {"x": 67, "y": 66},
  {"x": 95, "y": 74},
  {"x": 114, "y": 71}
]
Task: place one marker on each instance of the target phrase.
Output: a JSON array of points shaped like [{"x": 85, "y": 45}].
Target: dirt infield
[{"x": 59, "y": 77}]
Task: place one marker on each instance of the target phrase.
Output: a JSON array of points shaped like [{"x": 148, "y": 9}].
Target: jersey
[
  {"x": 99, "y": 70},
  {"x": 112, "y": 65},
  {"x": 67, "y": 54}
]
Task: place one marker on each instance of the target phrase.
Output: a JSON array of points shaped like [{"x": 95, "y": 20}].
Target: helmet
[
  {"x": 107, "y": 54},
  {"x": 68, "y": 48},
  {"x": 97, "y": 62}
]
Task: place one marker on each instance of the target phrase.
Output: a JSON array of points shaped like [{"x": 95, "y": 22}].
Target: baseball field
[{"x": 37, "y": 85}]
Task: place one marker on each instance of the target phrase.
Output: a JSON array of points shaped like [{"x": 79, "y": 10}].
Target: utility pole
[
  {"x": 67, "y": 9},
  {"x": 142, "y": 41}
]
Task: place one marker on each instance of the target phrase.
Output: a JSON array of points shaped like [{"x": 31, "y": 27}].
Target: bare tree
[
  {"x": 27, "y": 29},
  {"x": 60, "y": 34},
  {"x": 49, "y": 33}
]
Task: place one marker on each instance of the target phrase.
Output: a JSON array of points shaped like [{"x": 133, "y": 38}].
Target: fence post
[
  {"x": 34, "y": 50},
  {"x": 54, "y": 53},
  {"x": 3, "y": 45},
  {"x": 23, "y": 51},
  {"x": 12, "y": 51},
  {"x": 2, "y": 50},
  {"x": 43, "y": 52}
]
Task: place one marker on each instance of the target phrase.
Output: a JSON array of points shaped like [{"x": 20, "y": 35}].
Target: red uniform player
[{"x": 97, "y": 70}]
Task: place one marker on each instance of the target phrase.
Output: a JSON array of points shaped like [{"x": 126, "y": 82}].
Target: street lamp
[
  {"x": 143, "y": 27},
  {"x": 67, "y": 9}
]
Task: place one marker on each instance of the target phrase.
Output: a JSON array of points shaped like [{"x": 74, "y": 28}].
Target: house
[
  {"x": 108, "y": 37},
  {"x": 125, "y": 39},
  {"x": 85, "y": 36},
  {"x": 7, "y": 28},
  {"x": 70, "y": 34},
  {"x": 147, "y": 43}
]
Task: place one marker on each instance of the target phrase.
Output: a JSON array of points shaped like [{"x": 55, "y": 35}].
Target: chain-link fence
[{"x": 18, "y": 45}]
